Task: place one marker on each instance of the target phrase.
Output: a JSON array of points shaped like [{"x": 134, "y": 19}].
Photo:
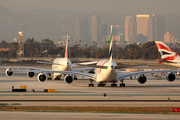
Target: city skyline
[{"x": 53, "y": 24}]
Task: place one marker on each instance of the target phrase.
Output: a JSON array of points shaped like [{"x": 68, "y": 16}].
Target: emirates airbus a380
[{"x": 106, "y": 71}]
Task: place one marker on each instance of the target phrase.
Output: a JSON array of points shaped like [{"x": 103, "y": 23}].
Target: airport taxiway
[{"x": 154, "y": 93}]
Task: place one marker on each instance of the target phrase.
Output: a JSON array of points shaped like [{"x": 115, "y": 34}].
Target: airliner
[
  {"x": 168, "y": 56},
  {"x": 59, "y": 64},
  {"x": 105, "y": 72}
]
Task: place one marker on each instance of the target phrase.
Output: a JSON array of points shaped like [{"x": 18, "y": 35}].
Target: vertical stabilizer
[
  {"x": 66, "y": 51},
  {"x": 166, "y": 53},
  {"x": 110, "y": 45}
]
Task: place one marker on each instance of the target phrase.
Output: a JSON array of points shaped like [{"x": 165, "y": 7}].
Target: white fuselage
[
  {"x": 172, "y": 64},
  {"x": 65, "y": 66},
  {"x": 175, "y": 62},
  {"x": 106, "y": 75}
]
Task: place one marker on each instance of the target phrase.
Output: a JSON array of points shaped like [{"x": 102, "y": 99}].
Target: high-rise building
[
  {"x": 156, "y": 28},
  {"x": 142, "y": 24},
  {"x": 96, "y": 30},
  {"x": 168, "y": 38},
  {"x": 130, "y": 29},
  {"x": 82, "y": 31}
]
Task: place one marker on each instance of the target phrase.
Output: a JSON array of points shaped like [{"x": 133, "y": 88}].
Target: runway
[{"x": 154, "y": 93}]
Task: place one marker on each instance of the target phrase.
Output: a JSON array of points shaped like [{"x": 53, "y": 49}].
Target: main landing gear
[
  {"x": 75, "y": 78},
  {"x": 91, "y": 83},
  {"x": 49, "y": 76},
  {"x": 122, "y": 84},
  {"x": 114, "y": 84},
  {"x": 58, "y": 78}
]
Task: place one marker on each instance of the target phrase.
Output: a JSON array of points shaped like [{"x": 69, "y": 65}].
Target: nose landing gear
[{"x": 122, "y": 84}]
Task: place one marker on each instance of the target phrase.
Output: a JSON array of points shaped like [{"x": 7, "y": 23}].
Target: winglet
[
  {"x": 110, "y": 45},
  {"x": 66, "y": 51}
]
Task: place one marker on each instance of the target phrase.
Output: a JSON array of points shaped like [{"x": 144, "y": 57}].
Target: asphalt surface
[{"x": 154, "y": 93}]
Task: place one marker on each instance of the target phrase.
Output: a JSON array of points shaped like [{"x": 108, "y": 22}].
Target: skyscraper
[
  {"x": 96, "y": 29},
  {"x": 82, "y": 30},
  {"x": 142, "y": 24},
  {"x": 142, "y": 27},
  {"x": 168, "y": 38},
  {"x": 130, "y": 29},
  {"x": 156, "y": 28}
]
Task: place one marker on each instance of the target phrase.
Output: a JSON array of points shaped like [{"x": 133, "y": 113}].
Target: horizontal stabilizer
[
  {"x": 49, "y": 63},
  {"x": 127, "y": 66},
  {"x": 95, "y": 66},
  {"x": 88, "y": 63}
]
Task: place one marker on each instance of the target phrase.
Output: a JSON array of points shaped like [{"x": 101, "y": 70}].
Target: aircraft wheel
[
  {"x": 91, "y": 85},
  {"x": 102, "y": 85}
]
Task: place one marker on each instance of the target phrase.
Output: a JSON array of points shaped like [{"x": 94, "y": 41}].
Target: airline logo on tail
[
  {"x": 110, "y": 46},
  {"x": 166, "y": 53}
]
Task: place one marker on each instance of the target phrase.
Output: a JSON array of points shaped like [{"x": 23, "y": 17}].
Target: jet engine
[
  {"x": 68, "y": 79},
  {"x": 41, "y": 77},
  {"x": 170, "y": 77},
  {"x": 30, "y": 74},
  {"x": 142, "y": 79},
  {"x": 9, "y": 72}
]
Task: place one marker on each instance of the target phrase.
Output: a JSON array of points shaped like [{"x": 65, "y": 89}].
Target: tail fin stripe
[
  {"x": 110, "y": 47},
  {"x": 66, "y": 51},
  {"x": 160, "y": 46}
]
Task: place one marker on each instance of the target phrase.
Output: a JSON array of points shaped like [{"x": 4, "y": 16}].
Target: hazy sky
[{"x": 120, "y": 6}]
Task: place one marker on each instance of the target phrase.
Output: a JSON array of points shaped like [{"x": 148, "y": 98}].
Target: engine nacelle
[
  {"x": 9, "y": 72},
  {"x": 91, "y": 71},
  {"x": 41, "y": 77},
  {"x": 142, "y": 79},
  {"x": 170, "y": 77},
  {"x": 30, "y": 74},
  {"x": 68, "y": 79}
]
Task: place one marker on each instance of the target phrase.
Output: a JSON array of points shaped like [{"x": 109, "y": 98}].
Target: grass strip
[{"x": 156, "y": 110}]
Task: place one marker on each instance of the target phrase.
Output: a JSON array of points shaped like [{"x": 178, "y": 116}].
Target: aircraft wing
[
  {"x": 125, "y": 75},
  {"x": 25, "y": 69},
  {"x": 89, "y": 75}
]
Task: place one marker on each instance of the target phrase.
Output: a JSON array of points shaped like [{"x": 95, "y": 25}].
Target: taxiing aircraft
[
  {"x": 168, "y": 56},
  {"x": 106, "y": 71},
  {"x": 59, "y": 64}
]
